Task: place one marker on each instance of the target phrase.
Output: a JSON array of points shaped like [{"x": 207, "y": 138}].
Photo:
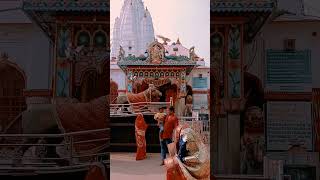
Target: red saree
[
  {"x": 173, "y": 169},
  {"x": 140, "y": 131}
]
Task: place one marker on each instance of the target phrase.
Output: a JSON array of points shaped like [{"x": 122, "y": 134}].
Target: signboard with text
[
  {"x": 200, "y": 82},
  {"x": 288, "y": 123},
  {"x": 288, "y": 71}
]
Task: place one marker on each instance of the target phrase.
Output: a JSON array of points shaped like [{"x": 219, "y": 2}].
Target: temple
[
  {"x": 139, "y": 58},
  {"x": 133, "y": 36},
  {"x": 237, "y": 92},
  {"x": 80, "y": 45},
  {"x": 52, "y": 52},
  {"x": 133, "y": 30}
]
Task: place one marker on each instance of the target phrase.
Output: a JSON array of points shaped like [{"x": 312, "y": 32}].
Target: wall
[
  {"x": 117, "y": 75},
  {"x": 29, "y": 48},
  {"x": 200, "y": 98},
  {"x": 272, "y": 37}
]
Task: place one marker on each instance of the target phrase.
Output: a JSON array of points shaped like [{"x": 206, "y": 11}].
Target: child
[{"x": 160, "y": 117}]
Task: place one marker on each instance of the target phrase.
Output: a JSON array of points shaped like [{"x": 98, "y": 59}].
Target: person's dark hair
[
  {"x": 171, "y": 108},
  {"x": 162, "y": 108}
]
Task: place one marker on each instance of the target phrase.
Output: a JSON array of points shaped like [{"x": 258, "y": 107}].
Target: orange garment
[
  {"x": 140, "y": 131},
  {"x": 173, "y": 170},
  {"x": 170, "y": 123},
  {"x": 96, "y": 173}
]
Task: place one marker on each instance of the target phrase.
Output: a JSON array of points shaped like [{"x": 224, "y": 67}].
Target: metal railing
[
  {"x": 202, "y": 127},
  {"x": 33, "y": 160},
  {"x": 132, "y": 109},
  {"x": 10, "y": 107}
]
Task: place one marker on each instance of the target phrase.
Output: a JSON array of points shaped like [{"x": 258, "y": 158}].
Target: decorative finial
[
  {"x": 121, "y": 53},
  {"x": 164, "y": 39},
  {"x": 192, "y": 54},
  {"x": 178, "y": 41}
]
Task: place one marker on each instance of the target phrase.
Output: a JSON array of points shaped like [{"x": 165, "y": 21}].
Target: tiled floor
[{"x": 124, "y": 166}]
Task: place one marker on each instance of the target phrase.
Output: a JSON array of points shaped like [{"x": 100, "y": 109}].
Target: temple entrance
[
  {"x": 93, "y": 85},
  {"x": 12, "y": 101},
  {"x": 169, "y": 90}
]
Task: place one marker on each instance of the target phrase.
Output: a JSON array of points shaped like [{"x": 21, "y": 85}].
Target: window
[
  {"x": 200, "y": 76},
  {"x": 83, "y": 39},
  {"x": 289, "y": 44},
  {"x": 100, "y": 39}
]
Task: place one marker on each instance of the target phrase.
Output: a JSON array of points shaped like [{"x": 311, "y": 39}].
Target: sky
[{"x": 188, "y": 20}]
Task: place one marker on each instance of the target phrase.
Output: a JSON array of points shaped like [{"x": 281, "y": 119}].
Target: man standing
[{"x": 170, "y": 123}]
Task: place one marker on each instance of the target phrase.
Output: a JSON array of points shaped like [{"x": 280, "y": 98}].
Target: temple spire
[
  {"x": 178, "y": 41},
  {"x": 134, "y": 29}
]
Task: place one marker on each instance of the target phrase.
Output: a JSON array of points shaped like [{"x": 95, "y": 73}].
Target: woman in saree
[{"x": 189, "y": 156}]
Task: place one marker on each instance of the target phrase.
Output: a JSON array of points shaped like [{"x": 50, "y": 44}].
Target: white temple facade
[{"x": 133, "y": 30}]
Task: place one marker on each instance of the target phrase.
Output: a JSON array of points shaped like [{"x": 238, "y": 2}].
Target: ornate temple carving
[{"x": 156, "y": 53}]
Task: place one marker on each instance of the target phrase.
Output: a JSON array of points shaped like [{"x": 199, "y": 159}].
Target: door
[{"x": 12, "y": 101}]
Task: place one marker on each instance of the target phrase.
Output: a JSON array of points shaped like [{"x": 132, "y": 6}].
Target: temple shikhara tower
[{"x": 133, "y": 30}]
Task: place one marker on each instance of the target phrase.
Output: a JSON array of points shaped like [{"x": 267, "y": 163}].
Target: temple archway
[
  {"x": 12, "y": 101},
  {"x": 169, "y": 90}
]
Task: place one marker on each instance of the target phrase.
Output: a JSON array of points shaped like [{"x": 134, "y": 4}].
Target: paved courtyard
[{"x": 124, "y": 166}]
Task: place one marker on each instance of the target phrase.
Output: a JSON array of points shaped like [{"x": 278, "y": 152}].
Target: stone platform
[{"x": 124, "y": 166}]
